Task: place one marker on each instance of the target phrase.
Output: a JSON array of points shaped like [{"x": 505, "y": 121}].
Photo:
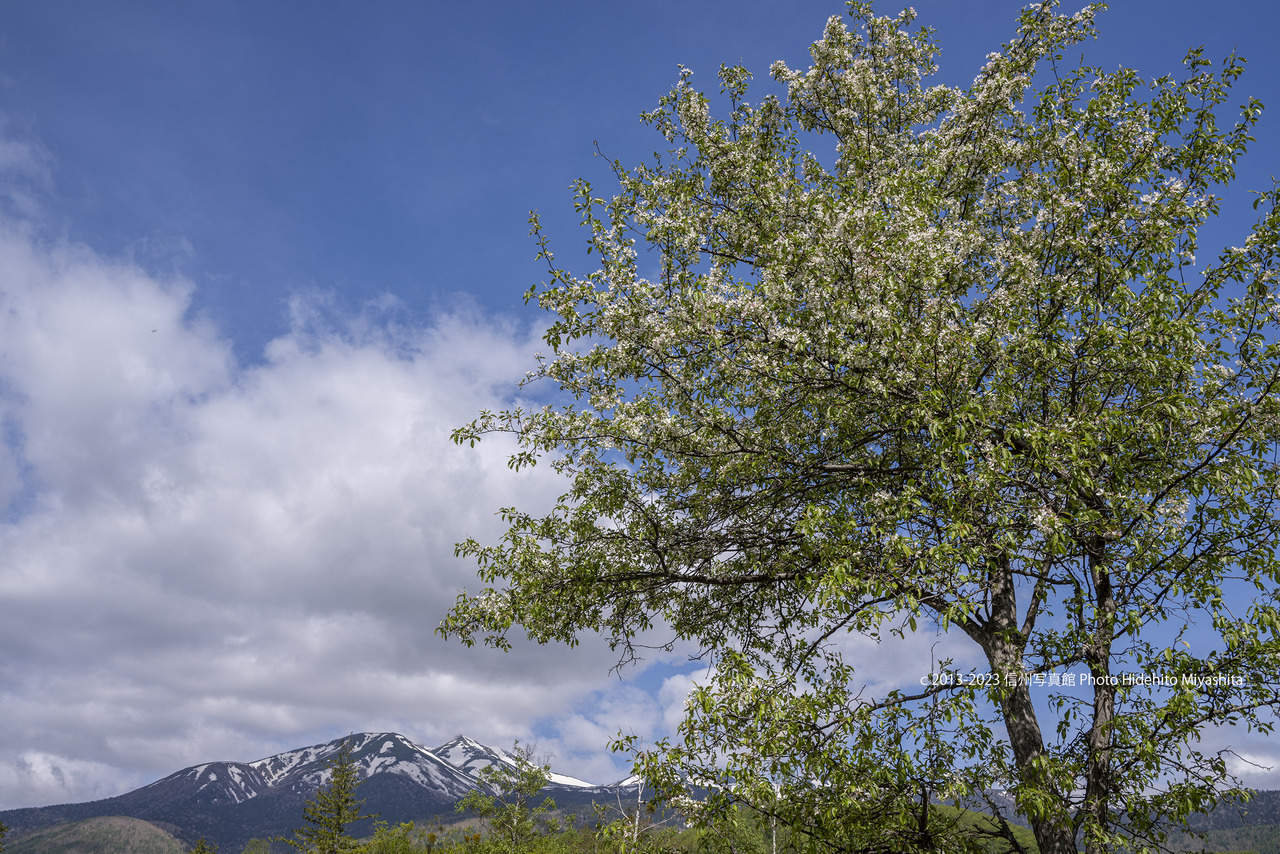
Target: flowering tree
[{"x": 906, "y": 358}]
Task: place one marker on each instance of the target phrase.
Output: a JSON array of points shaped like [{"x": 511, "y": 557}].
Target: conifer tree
[{"x": 333, "y": 808}]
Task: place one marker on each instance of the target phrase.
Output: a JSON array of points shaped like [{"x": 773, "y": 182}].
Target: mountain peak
[
  {"x": 231, "y": 802},
  {"x": 470, "y": 756},
  {"x": 460, "y": 742}
]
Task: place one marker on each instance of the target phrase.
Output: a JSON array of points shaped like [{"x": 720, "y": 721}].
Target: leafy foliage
[
  {"x": 332, "y": 810},
  {"x": 203, "y": 846},
  {"x": 963, "y": 375},
  {"x": 510, "y": 815},
  {"x": 634, "y": 828},
  {"x": 403, "y": 838}
]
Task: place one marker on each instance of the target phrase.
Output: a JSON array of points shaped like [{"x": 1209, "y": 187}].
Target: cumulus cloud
[
  {"x": 26, "y": 173},
  {"x": 210, "y": 560}
]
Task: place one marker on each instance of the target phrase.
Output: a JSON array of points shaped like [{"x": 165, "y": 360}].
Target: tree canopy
[{"x": 897, "y": 358}]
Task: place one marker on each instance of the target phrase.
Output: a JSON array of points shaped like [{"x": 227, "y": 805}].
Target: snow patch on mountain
[
  {"x": 566, "y": 780},
  {"x": 471, "y": 757},
  {"x": 447, "y": 772}
]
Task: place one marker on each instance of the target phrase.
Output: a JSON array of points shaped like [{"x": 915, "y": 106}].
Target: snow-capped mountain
[
  {"x": 445, "y": 773},
  {"x": 306, "y": 769},
  {"x": 232, "y": 802},
  {"x": 471, "y": 757}
]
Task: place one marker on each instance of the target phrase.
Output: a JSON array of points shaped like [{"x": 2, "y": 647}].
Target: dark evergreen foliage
[{"x": 333, "y": 809}]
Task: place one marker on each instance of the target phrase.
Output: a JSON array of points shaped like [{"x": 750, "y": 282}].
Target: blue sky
[{"x": 320, "y": 209}]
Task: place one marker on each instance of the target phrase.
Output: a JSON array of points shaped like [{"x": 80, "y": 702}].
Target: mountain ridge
[
  {"x": 101, "y": 835},
  {"x": 232, "y": 802}
]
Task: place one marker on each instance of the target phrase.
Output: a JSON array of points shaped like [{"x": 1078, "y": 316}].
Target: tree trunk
[
  {"x": 1098, "y": 657},
  {"x": 1004, "y": 643}
]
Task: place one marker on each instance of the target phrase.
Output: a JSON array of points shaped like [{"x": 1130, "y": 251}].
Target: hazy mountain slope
[{"x": 101, "y": 835}]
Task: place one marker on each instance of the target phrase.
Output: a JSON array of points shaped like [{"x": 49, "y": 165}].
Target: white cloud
[
  {"x": 1257, "y": 766},
  {"x": 206, "y": 560},
  {"x": 46, "y": 777},
  {"x": 26, "y": 173}
]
